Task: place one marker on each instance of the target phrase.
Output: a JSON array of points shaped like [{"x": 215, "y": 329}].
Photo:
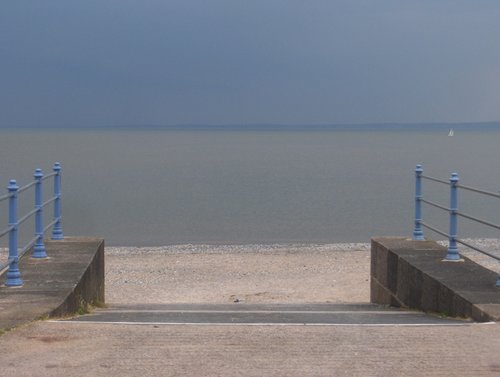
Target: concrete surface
[
  {"x": 151, "y": 347},
  {"x": 94, "y": 349},
  {"x": 70, "y": 278},
  {"x": 412, "y": 274},
  {"x": 264, "y": 314}
]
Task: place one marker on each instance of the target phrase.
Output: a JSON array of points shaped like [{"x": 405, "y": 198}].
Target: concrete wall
[
  {"x": 89, "y": 288},
  {"x": 65, "y": 283},
  {"x": 411, "y": 274}
]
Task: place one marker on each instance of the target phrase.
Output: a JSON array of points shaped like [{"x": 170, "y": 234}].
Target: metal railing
[
  {"x": 37, "y": 242},
  {"x": 453, "y": 240}
]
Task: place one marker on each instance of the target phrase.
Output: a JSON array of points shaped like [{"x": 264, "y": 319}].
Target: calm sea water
[{"x": 236, "y": 186}]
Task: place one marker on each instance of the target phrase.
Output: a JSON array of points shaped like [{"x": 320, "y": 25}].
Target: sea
[{"x": 253, "y": 185}]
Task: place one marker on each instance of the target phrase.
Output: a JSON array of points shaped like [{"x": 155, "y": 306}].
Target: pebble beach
[{"x": 279, "y": 273}]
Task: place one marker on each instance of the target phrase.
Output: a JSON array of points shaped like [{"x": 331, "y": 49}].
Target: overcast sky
[{"x": 169, "y": 62}]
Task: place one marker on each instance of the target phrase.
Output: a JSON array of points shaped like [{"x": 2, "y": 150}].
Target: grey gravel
[{"x": 250, "y": 248}]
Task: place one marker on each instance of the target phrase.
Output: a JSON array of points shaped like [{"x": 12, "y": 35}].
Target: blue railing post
[
  {"x": 13, "y": 274},
  {"x": 57, "y": 233},
  {"x": 39, "y": 248},
  {"x": 418, "y": 233},
  {"x": 453, "y": 254}
]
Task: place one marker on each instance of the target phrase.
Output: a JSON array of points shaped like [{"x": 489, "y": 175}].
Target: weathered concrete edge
[
  {"x": 407, "y": 273},
  {"x": 65, "y": 283},
  {"x": 89, "y": 290}
]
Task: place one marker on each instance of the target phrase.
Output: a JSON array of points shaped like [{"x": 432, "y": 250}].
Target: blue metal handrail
[
  {"x": 418, "y": 234},
  {"x": 37, "y": 242}
]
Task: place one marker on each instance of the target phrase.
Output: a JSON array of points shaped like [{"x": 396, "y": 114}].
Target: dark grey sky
[{"x": 127, "y": 62}]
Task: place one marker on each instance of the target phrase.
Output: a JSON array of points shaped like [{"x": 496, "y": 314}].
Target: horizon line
[{"x": 263, "y": 125}]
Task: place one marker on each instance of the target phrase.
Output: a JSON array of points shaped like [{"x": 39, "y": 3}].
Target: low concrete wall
[
  {"x": 70, "y": 279},
  {"x": 89, "y": 290},
  {"x": 411, "y": 274}
]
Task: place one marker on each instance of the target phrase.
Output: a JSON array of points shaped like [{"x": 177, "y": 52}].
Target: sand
[
  {"x": 294, "y": 273},
  {"x": 238, "y": 273}
]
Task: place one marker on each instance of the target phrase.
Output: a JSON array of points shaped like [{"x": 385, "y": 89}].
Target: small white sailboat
[{"x": 451, "y": 133}]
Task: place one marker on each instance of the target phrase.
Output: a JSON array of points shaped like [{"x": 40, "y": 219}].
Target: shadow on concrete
[{"x": 412, "y": 274}]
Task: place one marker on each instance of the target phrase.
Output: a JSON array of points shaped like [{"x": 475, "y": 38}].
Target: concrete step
[{"x": 264, "y": 314}]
